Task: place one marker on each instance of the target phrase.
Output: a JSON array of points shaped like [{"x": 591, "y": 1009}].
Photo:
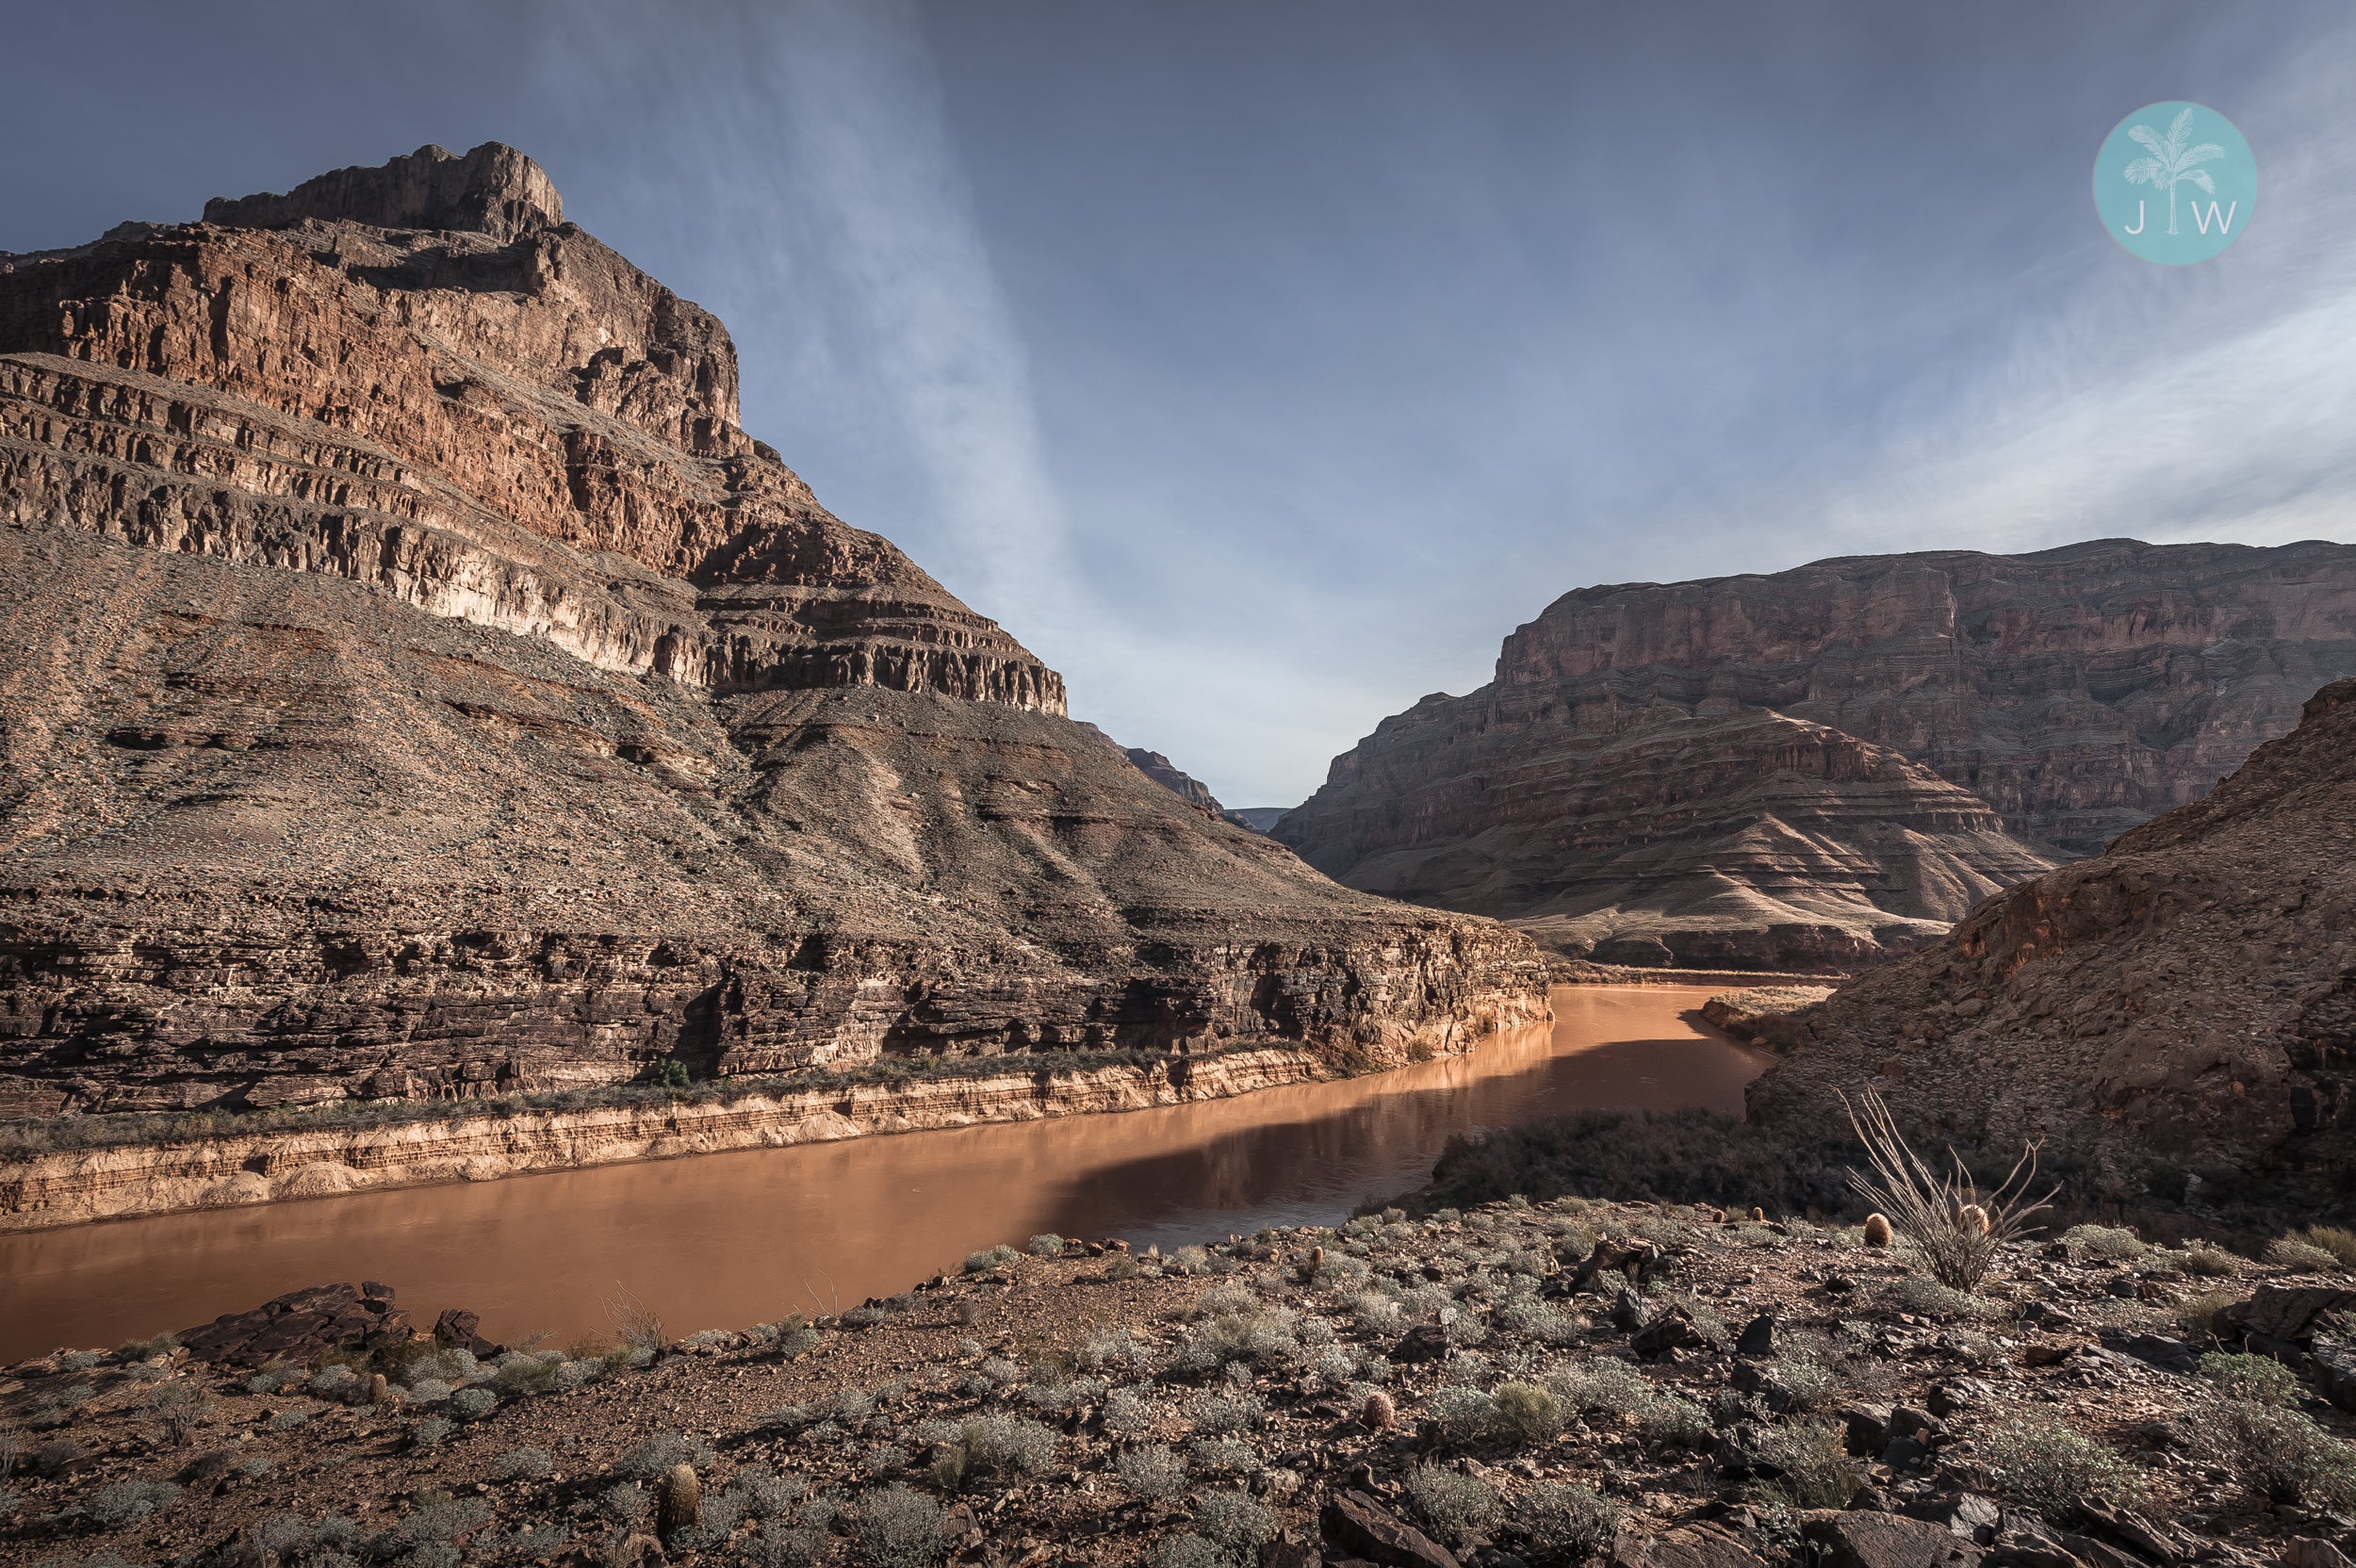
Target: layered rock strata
[
  {"x": 1816, "y": 768},
  {"x": 415, "y": 682},
  {"x": 2186, "y": 998}
]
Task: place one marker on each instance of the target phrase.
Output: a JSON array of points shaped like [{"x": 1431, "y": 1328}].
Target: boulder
[
  {"x": 1887, "y": 1541},
  {"x": 1354, "y": 1525},
  {"x": 300, "y": 1326}
]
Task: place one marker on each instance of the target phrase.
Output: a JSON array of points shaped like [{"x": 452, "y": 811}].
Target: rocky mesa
[
  {"x": 2185, "y": 1000},
  {"x": 416, "y": 683},
  {"x": 1821, "y": 767}
]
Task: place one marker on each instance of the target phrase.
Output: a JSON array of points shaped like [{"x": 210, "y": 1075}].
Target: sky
[{"x": 1262, "y": 366}]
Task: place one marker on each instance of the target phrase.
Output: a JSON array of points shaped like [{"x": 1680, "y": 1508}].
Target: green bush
[
  {"x": 1152, "y": 1473},
  {"x": 2038, "y": 1463},
  {"x": 1560, "y": 1523},
  {"x": 2340, "y": 1244},
  {"x": 995, "y": 1448},
  {"x": 1001, "y": 1256},
  {"x": 2280, "y": 1454},
  {"x": 1233, "y": 1522},
  {"x": 1524, "y": 1412},
  {"x": 1047, "y": 1244},
  {"x": 1456, "y": 1506},
  {"x": 1814, "y": 1465},
  {"x": 2257, "y": 1379},
  {"x": 2102, "y": 1241},
  {"x": 2291, "y": 1252},
  {"x": 2208, "y": 1263},
  {"x": 1675, "y": 1421},
  {"x": 896, "y": 1528}
]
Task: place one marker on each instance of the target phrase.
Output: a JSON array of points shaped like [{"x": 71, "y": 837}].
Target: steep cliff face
[
  {"x": 414, "y": 681},
  {"x": 1909, "y": 733},
  {"x": 2188, "y": 996}
]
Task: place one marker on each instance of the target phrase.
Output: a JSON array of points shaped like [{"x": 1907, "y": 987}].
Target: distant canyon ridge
[
  {"x": 415, "y": 682},
  {"x": 1817, "y": 768}
]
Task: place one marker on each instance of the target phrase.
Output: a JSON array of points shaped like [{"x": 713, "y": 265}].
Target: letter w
[{"x": 2204, "y": 219}]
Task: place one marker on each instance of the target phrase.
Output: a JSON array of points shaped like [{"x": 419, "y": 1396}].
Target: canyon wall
[
  {"x": 414, "y": 681},
  {"x": 2186, "y": 999},
  {"x": 1820, "y": 767}
]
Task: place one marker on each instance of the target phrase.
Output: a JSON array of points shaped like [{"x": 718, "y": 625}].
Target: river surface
[{"x": 729, "y": 1239}]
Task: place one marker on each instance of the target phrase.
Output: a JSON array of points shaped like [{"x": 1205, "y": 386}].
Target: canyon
[
  {"x": 415, "y": 684},
  {"x": 2183, "y": 1004},
  {"x": 1816, "y": 769}
]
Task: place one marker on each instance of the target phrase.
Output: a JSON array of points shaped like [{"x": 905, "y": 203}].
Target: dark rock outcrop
[
  {"x": 1820, "y": 767},
  {"x": 2187, "y": 996},
  {"x": 300, "y": 1326},
  {"x": 414, "y": 681}
]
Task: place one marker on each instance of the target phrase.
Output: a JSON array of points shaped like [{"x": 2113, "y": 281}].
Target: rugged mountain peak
[
  {"x": 2187, "y": 997},
  {"x": 414, "y": 681},
  {"x": 493, "y": 190}
]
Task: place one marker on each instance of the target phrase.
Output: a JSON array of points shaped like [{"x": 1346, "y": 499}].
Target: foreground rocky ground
[{"x": 1649, "y": 1384}]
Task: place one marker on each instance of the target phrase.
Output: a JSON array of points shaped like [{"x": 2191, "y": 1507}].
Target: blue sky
[{"x": 1262, "y": 366}]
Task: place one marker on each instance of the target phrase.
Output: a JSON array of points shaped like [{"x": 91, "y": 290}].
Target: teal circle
[{"x": 2175, "y": 183}]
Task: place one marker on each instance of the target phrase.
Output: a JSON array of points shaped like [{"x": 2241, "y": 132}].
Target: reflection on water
[{"x": 723, "y": 1240}]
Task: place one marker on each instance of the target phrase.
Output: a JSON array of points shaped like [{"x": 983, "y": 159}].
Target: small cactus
[
  {"x": 379, "y": 1390},
  {"x": 1317, "y": 1257},
  {"x": 682, "y": 1499},
  {"x": 1378, "y": 1413},
  {"x": 1759, "y": 1214},
  {"x": 1972, "y": 1217},
  {"x": 1878, "y": 1230}
]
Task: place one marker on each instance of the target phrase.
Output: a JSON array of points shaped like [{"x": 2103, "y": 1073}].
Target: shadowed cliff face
[
  {"x": 1822, "y": 766},
  {"x": 2189, "y": 995},
  {"x": 412, "y": 680}
]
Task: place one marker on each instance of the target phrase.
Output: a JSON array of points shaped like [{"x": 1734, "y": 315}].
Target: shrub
[
  {"x": 1809, "y": 1381},
  {"x": 1931, "y": 1299},
  {"x": 626, "y": 1501},
  {"x": 1463, "y": 1413},
  {"x": 472, "y": 1402},
  {"x": 1047, "y": 1244},
  {"x": 430, "y": 1432},
  {"x": 2210, "y": 1263},
  {"x": 636, "y": 1326},
  {"x": 126, "y": 1502},
  {"x": 2340, "y": 1243},
  {"x": 995, "y": 1448},
  {"x": 899, "y": 1528},
  {"x": 1814, "y": 1465},
  {"x": 2038, "y": 1463},
  {"x": 783, "y": 1545},
  {"x": 1223, "y": 1455},
  {"x": 1601, "y": 1383},
  {"x": 1223, "y": 1415},
  {"x": 2102, "y": 1241},
  {"x": 1536, "y": 1320},
  {"x": 428, "y": 1391},
  {"x": 1457, "y": 1507},
  {"x": 1942, "y": 1217},
  {"x": 1525, "y": 1413},
  {"x": 654, "y": 1456},
  {"x": 519, "y": 1464},
  {"x": 2280, "y": 1454},
  {"x": 2291, "y": 1252},
  {"x": 1151, "y": 1473},
  {"x": 1185, "y": 1551},
  {"x": 1675, "y": 1421},
  {"x": 163, "y": 1344},
  {"x": 2202, "y": 1314},
  {"x": 1129, "y": 1414},
  {"x": 179, "y": 1408},
  {"x": 1001, "y": 1256},
  {"x": 766, "y": 1494},
  {"x": 269, "y": 1379},
  {"x": 1234, "y": 1522},
  {"x": 1561, "y": 1521},
  {"x": 2256, "y": 1379},
  {"x": 524, "y": 1375}
]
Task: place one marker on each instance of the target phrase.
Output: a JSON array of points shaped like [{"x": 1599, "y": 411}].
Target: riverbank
[
  {"x": 1652, "y": 1385},
  {"x": 164, "y": 1174}
]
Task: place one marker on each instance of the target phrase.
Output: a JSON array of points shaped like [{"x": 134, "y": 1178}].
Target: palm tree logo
[{"x": 2171, "y": 160}]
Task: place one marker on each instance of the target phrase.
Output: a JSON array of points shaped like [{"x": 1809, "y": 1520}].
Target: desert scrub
[
  {"x": 999, "y": 1256},
  {"x": 1930, "y": 1298},
  {"x": 653, "y": 1456},
  {"x": 2208, "y": 1263},
  {"x": 1528, "y": 1319},
  {"x": 1561, "y": 1523},
  {"x": 2257, "y": 1379},
  {"x": 471, "y": 1403},
  {"x": 2202, "y": 1314},
  {"x": 1524, "y": 1414},
  {"x": 521, "y": 1465},
  {"x": 1234, "y": 1524},
  {"x": 127, "y": 1502},
  {"x": 1128, "y": 1413},
  {"x": 1601, "y": 1383},
  {"x": 1047, "y": 1244},
  {"x": 2337, "y": 1244},
  {"x": 178, "y": 1409},
  {"x": 2037, "y": 1463},
  {"x": 2279, "y": 1455},
  {"x": 1223, "y": 1415},
  {"x": 1220, "y": 1456},
  {"x": 992, "y": 1448},
  {"x": 1457, "y": 1507},
  {"x": 2293, "y": 1252},
  {"x": 1151, "y": 1473},
  {"x": 1673, "y": 1421},
  {"x": 1814, "y": 1467},
  {"x": 896, "y": 1528},
  {"x": 2107, "y": 1242}
]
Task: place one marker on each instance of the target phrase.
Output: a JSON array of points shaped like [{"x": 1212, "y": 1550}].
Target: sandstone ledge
[{"x": 71, "y": 1186}]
